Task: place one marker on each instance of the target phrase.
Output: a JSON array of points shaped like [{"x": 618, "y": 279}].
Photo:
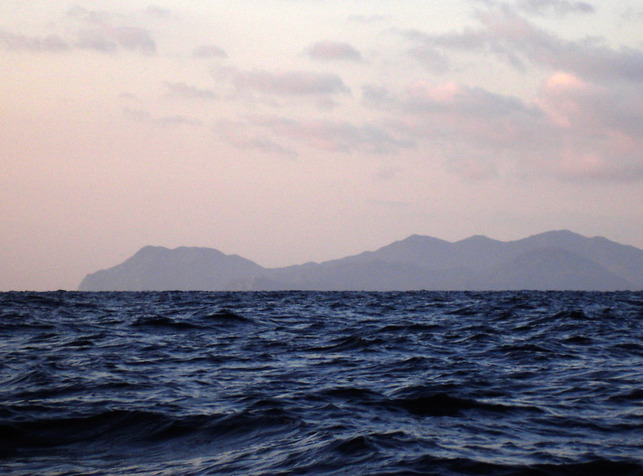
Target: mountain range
[{"x": 555, "y": 260}]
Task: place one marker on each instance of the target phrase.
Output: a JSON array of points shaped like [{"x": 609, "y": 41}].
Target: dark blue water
[{"x": 301, "y": 382}]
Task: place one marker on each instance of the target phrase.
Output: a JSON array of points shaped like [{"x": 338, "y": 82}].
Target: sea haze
[
  {"x": 321, "y": 382},
  {"x": 557, "y": 260}
]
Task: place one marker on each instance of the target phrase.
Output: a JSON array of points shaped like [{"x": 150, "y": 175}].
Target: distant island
[{"x": 555, "y": 260}]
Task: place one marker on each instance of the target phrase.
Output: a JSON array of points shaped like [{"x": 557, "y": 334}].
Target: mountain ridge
[{"x": 556, "y": 260}]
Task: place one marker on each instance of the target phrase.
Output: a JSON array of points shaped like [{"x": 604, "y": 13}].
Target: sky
[{"x": 288, "y": 131}]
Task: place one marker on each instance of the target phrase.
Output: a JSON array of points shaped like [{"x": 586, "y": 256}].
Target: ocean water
[{"x": 321, "y": 383}]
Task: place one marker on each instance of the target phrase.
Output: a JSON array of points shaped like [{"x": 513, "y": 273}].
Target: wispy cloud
[
  {"x": 158, "y": 12},
  {"x": 598, "y": 130},
  {"x": 111, "y": 39},
  {"x": 515, "y": 40},
  {"x": 144, "y": 116},
  {"x": 133, "y": 39},
  {"x": 543, "y": 7},
  {"x": 18, "y": 42},
  {"x": 104, "y": 40},
  {"x": 274, "y": 88},
  {"x": 333, "y": 51},
  {"x": 430, "y": 57},
  {"x": 184, "y": 91},
  {"x": 93, "y": 17},
  {"x": 558, "y": 7},
  {"x": 288, "y": 83},
  {"x": 573, "y": 130},
  {"x": 100, "y": 31},
  {"x": 178, "y": 120},
  {"x": 387, "y": 174},
  {"x": 335, "y": 136},
  {"x": 286, "y": 137},
  {"x": 208, "y": 51},
  {"x": 244, "y": 136}
]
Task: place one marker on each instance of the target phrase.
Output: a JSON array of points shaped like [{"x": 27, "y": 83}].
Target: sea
[{"x": 270, "y": 383}]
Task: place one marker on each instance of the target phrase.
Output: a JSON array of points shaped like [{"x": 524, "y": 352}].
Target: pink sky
[{"x": 305, "y": 130}]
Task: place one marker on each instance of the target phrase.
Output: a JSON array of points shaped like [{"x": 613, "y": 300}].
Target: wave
[
  {"x": 160, "y": 322},
  {"x": 123, "y": 428},
  {"x": 432, "y": 465},
  {"x": 226, "y": 316}
]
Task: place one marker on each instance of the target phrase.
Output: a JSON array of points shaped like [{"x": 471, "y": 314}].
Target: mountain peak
[
  {"x": 477, "y": 239},
  {"x": 558, "y": 234},
  {"x": 156, "y": 268},
  {"x": 420, "y": 239}
]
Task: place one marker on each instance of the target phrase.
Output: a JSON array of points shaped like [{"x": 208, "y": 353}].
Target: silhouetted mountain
[
  {"x": 155, "y": 268},
  {"x": 556, "y": 260},
  {"x": 550, "y": 268}
]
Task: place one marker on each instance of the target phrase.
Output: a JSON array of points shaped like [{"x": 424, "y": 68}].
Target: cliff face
[{"x": 558, "y": 260}]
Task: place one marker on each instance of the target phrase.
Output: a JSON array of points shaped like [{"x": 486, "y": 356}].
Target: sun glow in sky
[{"x": 295, "y": 130}]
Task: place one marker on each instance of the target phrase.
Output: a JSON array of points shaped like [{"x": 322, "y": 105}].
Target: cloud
[
  {"x": 454, "y": 98},
  {"x": 110, "y": 40},
  {"x": 208, "y": 51},
  {"x": 474, "y": 166},
  {"x": 243, "y": 136},
  {"x": 515, "y": 40},
  {"x": 93, "y": 17},
  {"x": 105, "y": 17},
  {"x": 96, "y": 40},
  {"x": 134, "y": 39},
  {"x": 573, "y": 130},
  {"x": 158, "y": 12},
  {"x": 632, "y": 14},
  {"x": 289, "y": 83},
  {"x": 334, "y": 136},
  {"x": 138, "y": 115},
  {"x": 283, "y": 136},
  {"x": 141, "y": 115},
  {"x": 273, "y": 88},
  {"x": 476, "y": 132},
  {"x": 17, "y": 42},
  {"x": 178, "y": 120},
  {"x": 109, "y": 32},
  {"x": 387, "y": 174},
  {"x": 102, "y": 39},
  {"x": 430, "y": 58},
  {"x": 559, "y": 7},
  {"x": 185, "y": 91},
  {"x": 333, "y": 51},
  {"x": 544, "y": 7},
  {"x": 598, "y": 129},
  {"x": 377, "y": 96}
]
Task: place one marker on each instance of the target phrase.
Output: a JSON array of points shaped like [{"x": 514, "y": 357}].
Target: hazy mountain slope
[
  {"x": 623, "y": 260},
  {"x": 424, "y": 251},
  {"x": 155, "y": 268},
  {"x": 552, "y": 260},
  {"x": 478, "y": 255},
  {"x": 368, "y": 275},
  {"x": 477, "y": 252},
  {"x": 550, "y": 269}
]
